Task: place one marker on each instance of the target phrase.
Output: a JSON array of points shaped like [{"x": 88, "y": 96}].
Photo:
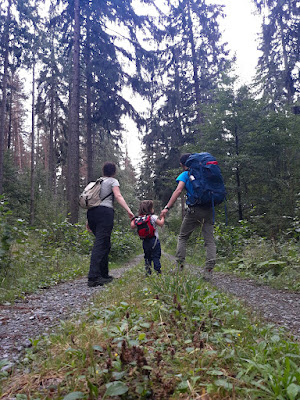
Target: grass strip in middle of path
[{"x": 169, "y": 336}]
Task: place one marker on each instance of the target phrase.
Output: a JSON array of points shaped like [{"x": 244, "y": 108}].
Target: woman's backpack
[{"x": 90, "y": 197}]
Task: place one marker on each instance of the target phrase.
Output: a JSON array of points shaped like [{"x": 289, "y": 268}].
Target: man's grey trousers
[{"x": 194, "y": 217}]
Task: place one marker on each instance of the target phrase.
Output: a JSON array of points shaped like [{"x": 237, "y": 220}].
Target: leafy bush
[
  {"x": 48, "y": 256},
  {"x": 294, "y": 230},
  {"x": 67, "y": 236},
  {"x": 173, "y": 223},
  {"x": 11, "y": 231},
  {"x": 231, "y": 239},
  {"x": 269, "y": 261},
  {"x": 168, "y": 240},
  {"x": 6, "y": 235},
  {"x": 75, "y": 238},
  {"x": 124, "y": 245}
]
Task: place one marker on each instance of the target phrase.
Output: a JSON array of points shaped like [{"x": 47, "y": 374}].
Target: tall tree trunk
[
  {"x": 195, "y": 68},
  {"x": 237, "y": 174},
  {"x": 177, "y": 108},
  {"x": 51, "y": 170},
  {"x": 288, "y": 80},
  {"x": 89, "y": 145},
  {"x": 56, "y": 108},
  {"x": 4, "y": 94},
  {"x": 10, "y": 112},
  {"x": 73, "y": 140},
  {"x": 32, "y": 169}
]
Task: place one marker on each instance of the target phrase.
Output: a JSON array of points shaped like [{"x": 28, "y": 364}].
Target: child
[{"x": 146, "y": 224}]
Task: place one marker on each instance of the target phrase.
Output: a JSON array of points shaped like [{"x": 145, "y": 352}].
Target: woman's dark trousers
[{"x": 101, "y": 222}]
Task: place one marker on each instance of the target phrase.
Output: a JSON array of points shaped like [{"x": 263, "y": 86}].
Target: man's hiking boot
[
  {"x": 207, "y": 275},
  {"x": 100, "y": 281},
  {"x": 180, "y": 266}
]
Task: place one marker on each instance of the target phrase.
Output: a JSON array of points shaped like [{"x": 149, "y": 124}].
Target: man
[{"x": 197, "y": 215}]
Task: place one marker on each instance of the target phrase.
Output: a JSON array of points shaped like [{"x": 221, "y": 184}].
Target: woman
[{"x": 100, "y": 222}]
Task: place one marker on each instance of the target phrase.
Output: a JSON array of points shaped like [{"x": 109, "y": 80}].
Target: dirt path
[
  {"x": 277, "y": 306},
  {"x": 41, "y": 313}
]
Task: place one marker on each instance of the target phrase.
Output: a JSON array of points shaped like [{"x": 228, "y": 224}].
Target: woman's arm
[{"x": 120, "y": 199}]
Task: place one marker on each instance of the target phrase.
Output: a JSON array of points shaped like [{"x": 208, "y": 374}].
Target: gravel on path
[{"x": 40, "y": 313}]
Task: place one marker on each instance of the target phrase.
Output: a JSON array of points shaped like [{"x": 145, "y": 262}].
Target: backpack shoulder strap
[{"x": 101, "y": 179}]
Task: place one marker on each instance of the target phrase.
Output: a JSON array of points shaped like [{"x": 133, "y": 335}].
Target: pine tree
[
  {"x": 16, "y": 38},
  {"x": 278, "y": 67},
  {"x": 5, "y": 42},
  {"x": 191, "y": 66},
  {"x": 73, "y": 124}
]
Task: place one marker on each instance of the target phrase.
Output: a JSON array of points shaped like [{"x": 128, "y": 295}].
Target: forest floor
[{"x": 41, "y": 313}]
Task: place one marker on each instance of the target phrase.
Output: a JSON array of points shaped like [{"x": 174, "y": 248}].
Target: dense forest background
[
  {"x": 83, "y": 57},
  {"x": 71, "y": 72}
]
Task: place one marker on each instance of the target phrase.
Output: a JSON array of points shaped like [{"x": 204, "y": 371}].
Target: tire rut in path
[
  {"x": 277, "y": 306},
  {"x": 40, "y": 313}
]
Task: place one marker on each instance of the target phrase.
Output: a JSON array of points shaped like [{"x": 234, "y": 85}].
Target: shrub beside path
[{"x": 39, "y": 314}]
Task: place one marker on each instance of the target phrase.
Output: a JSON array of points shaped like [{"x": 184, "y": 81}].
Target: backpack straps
[
  {"x": 213, "y": 208},
  {"x": 106, "y": 196},
  {"x": 101, "y": 181}
]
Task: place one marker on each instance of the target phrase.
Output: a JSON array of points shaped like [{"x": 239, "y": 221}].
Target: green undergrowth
[
  {"x": 274, "y": 263},
  {"x": 41, "y": 258},
  {"x": 170, "y": 336},
  {"x": 40, "y": 271},
  {"x": 19, "y": 280}
]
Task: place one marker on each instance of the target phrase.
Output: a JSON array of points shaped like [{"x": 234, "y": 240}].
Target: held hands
[
  {"x": 163, "y": 213},
  {"x": 130, "y": 214}
]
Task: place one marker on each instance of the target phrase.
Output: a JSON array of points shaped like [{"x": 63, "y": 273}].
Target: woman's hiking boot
[{"x": 100, "y": 281}]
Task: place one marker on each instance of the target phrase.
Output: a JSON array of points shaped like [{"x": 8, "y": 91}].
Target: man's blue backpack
[{"x": 205, "y": 175}]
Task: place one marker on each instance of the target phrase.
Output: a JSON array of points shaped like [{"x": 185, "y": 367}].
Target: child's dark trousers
[{"x": 152, "y": 253}]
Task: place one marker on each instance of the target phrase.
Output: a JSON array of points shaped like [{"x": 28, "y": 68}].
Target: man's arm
[{"x": 173, "y": 198}]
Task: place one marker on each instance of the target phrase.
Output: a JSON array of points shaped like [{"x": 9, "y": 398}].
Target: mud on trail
[{"x": 41, "y": 313}]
